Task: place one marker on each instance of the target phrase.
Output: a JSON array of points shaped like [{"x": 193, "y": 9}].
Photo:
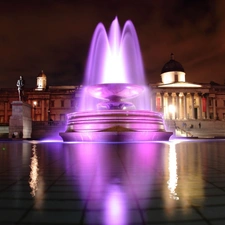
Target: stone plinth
[{"x": 20, "y": 123}]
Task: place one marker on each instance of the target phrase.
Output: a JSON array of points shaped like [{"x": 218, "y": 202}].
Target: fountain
[{"x": 114, "y": 104}]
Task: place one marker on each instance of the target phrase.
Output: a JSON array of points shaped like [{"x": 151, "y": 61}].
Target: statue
[{"x": 20, "y": 84}]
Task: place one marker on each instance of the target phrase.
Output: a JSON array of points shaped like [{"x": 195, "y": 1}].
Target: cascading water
[
  {"x": 114, "y": 103},
  {"x": 114, "y": 58}
]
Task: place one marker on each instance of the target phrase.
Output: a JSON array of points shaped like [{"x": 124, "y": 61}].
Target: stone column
[
  {"x": 48, "y": 109},
  {"x": 193, "y": 105},
  {"x": 185, "y": 106},
  {"x": 207, "y": 107},
  {"x": 180, "y": 107},
  {"x": 177, "y": 106},
  {"x": 173, "y": 104},
  {"x": 168, "y": 104},
  {"x": 203, "y": 106},
  {"x": 162, "y": 101},
  {"x": 214, "y": 108},
  {"x": 166, "y": 99},
  {"x": 42, "y": 110}
]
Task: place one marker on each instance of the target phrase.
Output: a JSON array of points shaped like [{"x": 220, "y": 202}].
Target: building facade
[
  {"x": 49, "y": 103},
  {"x": 174, "y": 97},
  {"x": 178, "y": 99}
]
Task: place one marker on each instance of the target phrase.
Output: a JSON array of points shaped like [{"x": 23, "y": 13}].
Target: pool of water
[{"x": 112, "y": 184}]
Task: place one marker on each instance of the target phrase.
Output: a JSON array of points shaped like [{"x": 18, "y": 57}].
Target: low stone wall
[
  {"x": 40, "y": 130},
  {"x": 47, "y": 130},
  {"x": 4, "y": 131}
]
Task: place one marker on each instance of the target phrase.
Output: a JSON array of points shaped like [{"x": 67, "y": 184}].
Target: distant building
[
  {"x": 49, "y": 103},
  {"x": 174, "y": 97},
  {"x": 178, "y": 99}
]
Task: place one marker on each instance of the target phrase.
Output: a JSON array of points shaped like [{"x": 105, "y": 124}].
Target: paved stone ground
[{"x": 169, "y": 183}]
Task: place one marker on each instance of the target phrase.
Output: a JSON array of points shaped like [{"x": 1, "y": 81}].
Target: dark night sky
[{"x": 55, "y": 36}]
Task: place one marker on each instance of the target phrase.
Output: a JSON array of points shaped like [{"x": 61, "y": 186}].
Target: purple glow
[
  {"x": 115, "y": 207},
  {"x": 114, "y": 75},
  {"x": 114, "y": 58},
  {"x": 105, "y": 184}
]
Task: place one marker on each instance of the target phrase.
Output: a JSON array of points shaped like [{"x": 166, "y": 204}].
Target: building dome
[
  {"x": 172, "y": 72},
  {"x": 172, "y": 65},
  {"x": 41, "y": 74}
]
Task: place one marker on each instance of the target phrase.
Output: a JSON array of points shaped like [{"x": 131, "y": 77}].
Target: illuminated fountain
[{"x": 114, "y": 104}]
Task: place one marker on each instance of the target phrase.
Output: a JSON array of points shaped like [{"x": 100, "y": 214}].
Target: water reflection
[
  {"x": 115, "y": 180},
  {"x": 36, "y": 181},
  {"x": 115, "y": 208},
  {"x": 172, "y": 182},
  {"x": 190, "y": 173},
  {"x": 110, "y": 175},
  {"x": 185, "y": 176},
  {"x": 34, "y": 172}
]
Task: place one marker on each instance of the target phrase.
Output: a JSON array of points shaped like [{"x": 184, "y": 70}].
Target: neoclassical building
[
  {"x": 49, "y": 103},
  {"x": 174, "y": 97},
  {"x": 178, "y": 99}
]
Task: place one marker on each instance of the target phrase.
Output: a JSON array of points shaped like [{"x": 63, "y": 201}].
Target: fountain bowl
[
  {"x": 115, "y": 125},
  {"x": 115, "y": 91}
]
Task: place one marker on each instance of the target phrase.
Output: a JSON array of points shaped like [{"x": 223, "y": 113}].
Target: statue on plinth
[{"x": 20, "y": 85}]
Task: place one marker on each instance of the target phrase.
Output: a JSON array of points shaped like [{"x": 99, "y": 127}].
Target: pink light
[
  {"x": 114, "y": 57},
  {"x": 115, "y": 207}
]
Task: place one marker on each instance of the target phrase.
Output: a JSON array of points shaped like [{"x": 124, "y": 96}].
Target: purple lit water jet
[
  {"x": 114, "y": 58},
  {"x": 115, "y": 74}
]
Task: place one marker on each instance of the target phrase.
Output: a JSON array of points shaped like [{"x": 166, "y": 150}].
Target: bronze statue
[{"x": 20, "y": 84}]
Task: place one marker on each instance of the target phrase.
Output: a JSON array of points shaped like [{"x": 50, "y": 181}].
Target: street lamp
[{"x": 34, "y": 106}]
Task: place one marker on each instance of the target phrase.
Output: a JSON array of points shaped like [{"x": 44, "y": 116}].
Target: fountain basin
[
  {"x": 114, "y": 74},
  {"x": 115, "y": 125},
  {"x": 115, "y": 91}
]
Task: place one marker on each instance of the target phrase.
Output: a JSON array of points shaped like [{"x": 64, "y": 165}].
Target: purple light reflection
[
  {"x": 115, "y": 206},
  {"x": 105, "y": 185}
]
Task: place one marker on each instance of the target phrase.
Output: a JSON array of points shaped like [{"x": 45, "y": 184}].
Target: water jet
[{"x": 114, "y": 104}]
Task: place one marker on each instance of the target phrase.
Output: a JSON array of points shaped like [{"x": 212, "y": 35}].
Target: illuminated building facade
[
  {"x": 175, "y": 98},
  {"x": 49, "y": 103}
]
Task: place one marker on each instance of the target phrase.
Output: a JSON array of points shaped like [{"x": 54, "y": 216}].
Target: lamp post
[{"x": 34, "y": 106}]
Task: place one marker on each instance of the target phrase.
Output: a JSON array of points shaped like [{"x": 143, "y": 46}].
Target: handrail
[{"x": 188, "y": 134}]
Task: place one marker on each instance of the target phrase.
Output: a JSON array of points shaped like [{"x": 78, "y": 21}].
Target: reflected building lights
[
  {"x": 34, "y": 172},
  {"x": 172, "y": 182}
]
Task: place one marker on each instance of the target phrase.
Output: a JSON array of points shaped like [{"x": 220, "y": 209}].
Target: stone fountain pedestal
[
  {"x": 115, "y": 119},
  {"x": 20, "y": 123},
  {"x": 115, "y": 126}
]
